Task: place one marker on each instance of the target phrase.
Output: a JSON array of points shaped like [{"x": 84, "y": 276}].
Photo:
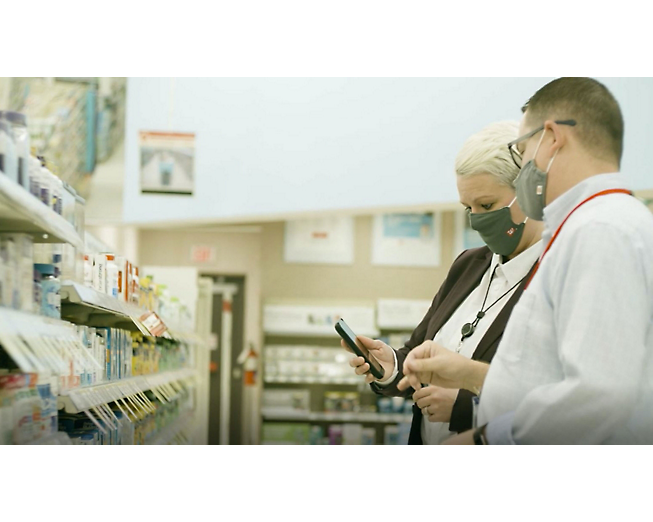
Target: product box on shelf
[
  {"x": 285, "y": 433},
  {"x": 27, "y": 408},
  {"x": 286, "y": 401},
  {"x": 17, "y": 254}
]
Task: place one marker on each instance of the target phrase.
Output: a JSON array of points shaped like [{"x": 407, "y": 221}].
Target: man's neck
[{"x": 577, "y": 173}]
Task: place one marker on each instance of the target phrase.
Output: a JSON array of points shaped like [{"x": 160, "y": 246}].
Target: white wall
[{"x": 269, "y": 147}]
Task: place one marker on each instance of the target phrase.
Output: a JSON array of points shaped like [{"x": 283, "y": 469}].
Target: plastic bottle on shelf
[
  {"x": 51, "y": 291},
  {"x": 18, "y": 123},
  {"x": 35, "y": 176},
  {"x": 8, "y": 162},
  {"x": 38, "y": 291},
  {"x": 45, "y": 187},
  {"x": 112, "y": 276}
]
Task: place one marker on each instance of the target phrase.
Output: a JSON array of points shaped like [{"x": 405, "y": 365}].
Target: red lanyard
[{"x": 602, "y": 193}]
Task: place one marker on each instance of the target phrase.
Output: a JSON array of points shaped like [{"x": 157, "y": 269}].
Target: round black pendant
[{"x": 467, "y": 330}]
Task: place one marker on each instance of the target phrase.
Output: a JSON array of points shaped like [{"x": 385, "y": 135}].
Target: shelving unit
[
  {"x": 359, "y": 417},
  {"x": 80, "y": 399},
  {"x": 303, "y": 348},
  {"x": 21, "y": 212},
  {"x": 52, "y": 347},
  {"x": 169, "y": 433},
  {"x": 314, "y": 380},
  {"x": 83, "y": 305}
]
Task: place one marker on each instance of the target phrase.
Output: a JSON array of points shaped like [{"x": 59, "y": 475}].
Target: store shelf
[
  {"x": 36, "y": 343},
  {"x": 170, "y": 432},
  {"x": 315, "y": 380},
  {"x": 360, "y": 417},
  {"x": 22, "y": 212},
  {"x": 80, "y": 399},
  {"x": 311, "y": 333},
  {"x": 83, "y": 305}
]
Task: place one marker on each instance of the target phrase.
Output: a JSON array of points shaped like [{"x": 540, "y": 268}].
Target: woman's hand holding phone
[{"x": 379, "y": 350}]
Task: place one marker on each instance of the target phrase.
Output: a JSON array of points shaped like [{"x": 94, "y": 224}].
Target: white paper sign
[
  {"x": 406, "y": 239},
  {"x": 325, "y": 240},
  {"x": 317, "y": 320}
]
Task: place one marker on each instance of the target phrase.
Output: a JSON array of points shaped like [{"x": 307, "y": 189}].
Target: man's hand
[
  {"x": 436, "y": 403},
  {"x": 464, "y": 438},
  {"x": 380, "y": 351},
  {"x": 432, "y": 363}
]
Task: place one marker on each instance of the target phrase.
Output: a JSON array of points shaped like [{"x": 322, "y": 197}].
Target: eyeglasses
[{"x": 512, "y": 146}]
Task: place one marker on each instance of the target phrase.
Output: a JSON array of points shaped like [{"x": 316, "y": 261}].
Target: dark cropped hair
[{"x": 599, "y": 123}]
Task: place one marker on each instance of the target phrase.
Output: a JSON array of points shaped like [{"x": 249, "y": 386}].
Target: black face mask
[{"x": 497, "y": 230}]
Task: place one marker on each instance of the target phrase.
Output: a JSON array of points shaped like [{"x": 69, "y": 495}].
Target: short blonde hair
[{"x": 487, "y": 152}]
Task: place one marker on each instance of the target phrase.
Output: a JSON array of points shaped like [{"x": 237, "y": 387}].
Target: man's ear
[{"x": 558, "y": 136}]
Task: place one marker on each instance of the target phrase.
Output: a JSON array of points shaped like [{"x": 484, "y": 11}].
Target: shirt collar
[
  {"x": 557, "y": 211},
  {"x": 516, "y": 268}
]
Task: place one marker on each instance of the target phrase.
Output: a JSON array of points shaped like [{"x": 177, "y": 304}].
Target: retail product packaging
[
  {"x": 285, "y": 433},
  {"x": 352, "y": 434},
  {"x": 335, "y": 434},
  {"x": 316, "y": 436},
  {"x": 398, "y": 404},
  {"x": 18, "y": 249},
  {"x": 368, "y": 436},
  {"x": 27, "y": 409},
  {"x": 7, "y": 278},
  {"x": 112, "y": 276},
  {"x": 123, "y": 266},
  {"x": 341, "y": 402},
  {"x": 384, "y": 404},
  {"x": 100, "y": 273},
  {"x": 8, "y": 156},
  {"x": 286, "y": 401},
  {"x": 391, "y": 435}
]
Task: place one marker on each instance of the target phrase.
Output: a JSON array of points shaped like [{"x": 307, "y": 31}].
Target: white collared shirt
[
  {"x": 575, "y": 364},
  {"x": 507, "y": 277}
]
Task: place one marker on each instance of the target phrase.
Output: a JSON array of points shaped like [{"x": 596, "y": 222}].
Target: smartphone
[{"x": 357, "y": 347}]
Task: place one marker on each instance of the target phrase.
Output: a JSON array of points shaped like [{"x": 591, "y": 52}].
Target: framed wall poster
[
  {"x": 466, "y": 237},
  {"x": 406, "y": 239},
  {"x": 167, "y": 162},
  {"x": 320, "y": 241}
]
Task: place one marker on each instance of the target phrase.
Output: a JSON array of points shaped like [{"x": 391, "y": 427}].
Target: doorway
[{"x": 226, "y": 380}]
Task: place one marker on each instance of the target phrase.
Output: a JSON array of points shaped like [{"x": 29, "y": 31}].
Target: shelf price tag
[{"x": 153, "y": 323}]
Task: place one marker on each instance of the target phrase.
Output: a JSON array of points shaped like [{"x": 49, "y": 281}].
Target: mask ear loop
[
  {"x": 548, "y": 168},
  {"x": 510, "y": 205}
]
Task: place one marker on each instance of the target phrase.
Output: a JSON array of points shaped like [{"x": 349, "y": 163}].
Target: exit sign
[{"x": 202, "y": 254}]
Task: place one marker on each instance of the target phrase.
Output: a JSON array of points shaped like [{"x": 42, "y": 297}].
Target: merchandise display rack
[
  {"x": 86, "y": 398},
  {"x": 358, "y": 417},
  {"x": 84, "y": 305},
  {"x": 169, "y": 433},
  {"x": 21, "y": 212},
  {"x": 314, "y": 380},
  {"x": 297, "y": 325},
  {"x": 46, "y": 346}
]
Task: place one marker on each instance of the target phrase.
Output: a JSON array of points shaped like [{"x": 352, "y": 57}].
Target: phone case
[{"x": 352, "y": 344}]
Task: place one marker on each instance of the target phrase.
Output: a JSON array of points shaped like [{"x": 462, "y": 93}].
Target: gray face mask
[
  {"x": 530, "y": 186},
  {"x": 497, "y": 230}
]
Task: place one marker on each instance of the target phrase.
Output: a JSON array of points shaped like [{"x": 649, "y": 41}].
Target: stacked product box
[
  {"x": 118, "y": 353},
  {"x": 28, "y": 410},
  {"x": 17, "y": 271}
]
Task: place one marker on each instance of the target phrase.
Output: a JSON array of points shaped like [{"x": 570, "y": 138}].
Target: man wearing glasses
[{"x": 576, "y": 361}]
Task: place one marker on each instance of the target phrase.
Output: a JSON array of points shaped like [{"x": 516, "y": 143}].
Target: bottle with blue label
[{"x": 50, "y": 291}]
